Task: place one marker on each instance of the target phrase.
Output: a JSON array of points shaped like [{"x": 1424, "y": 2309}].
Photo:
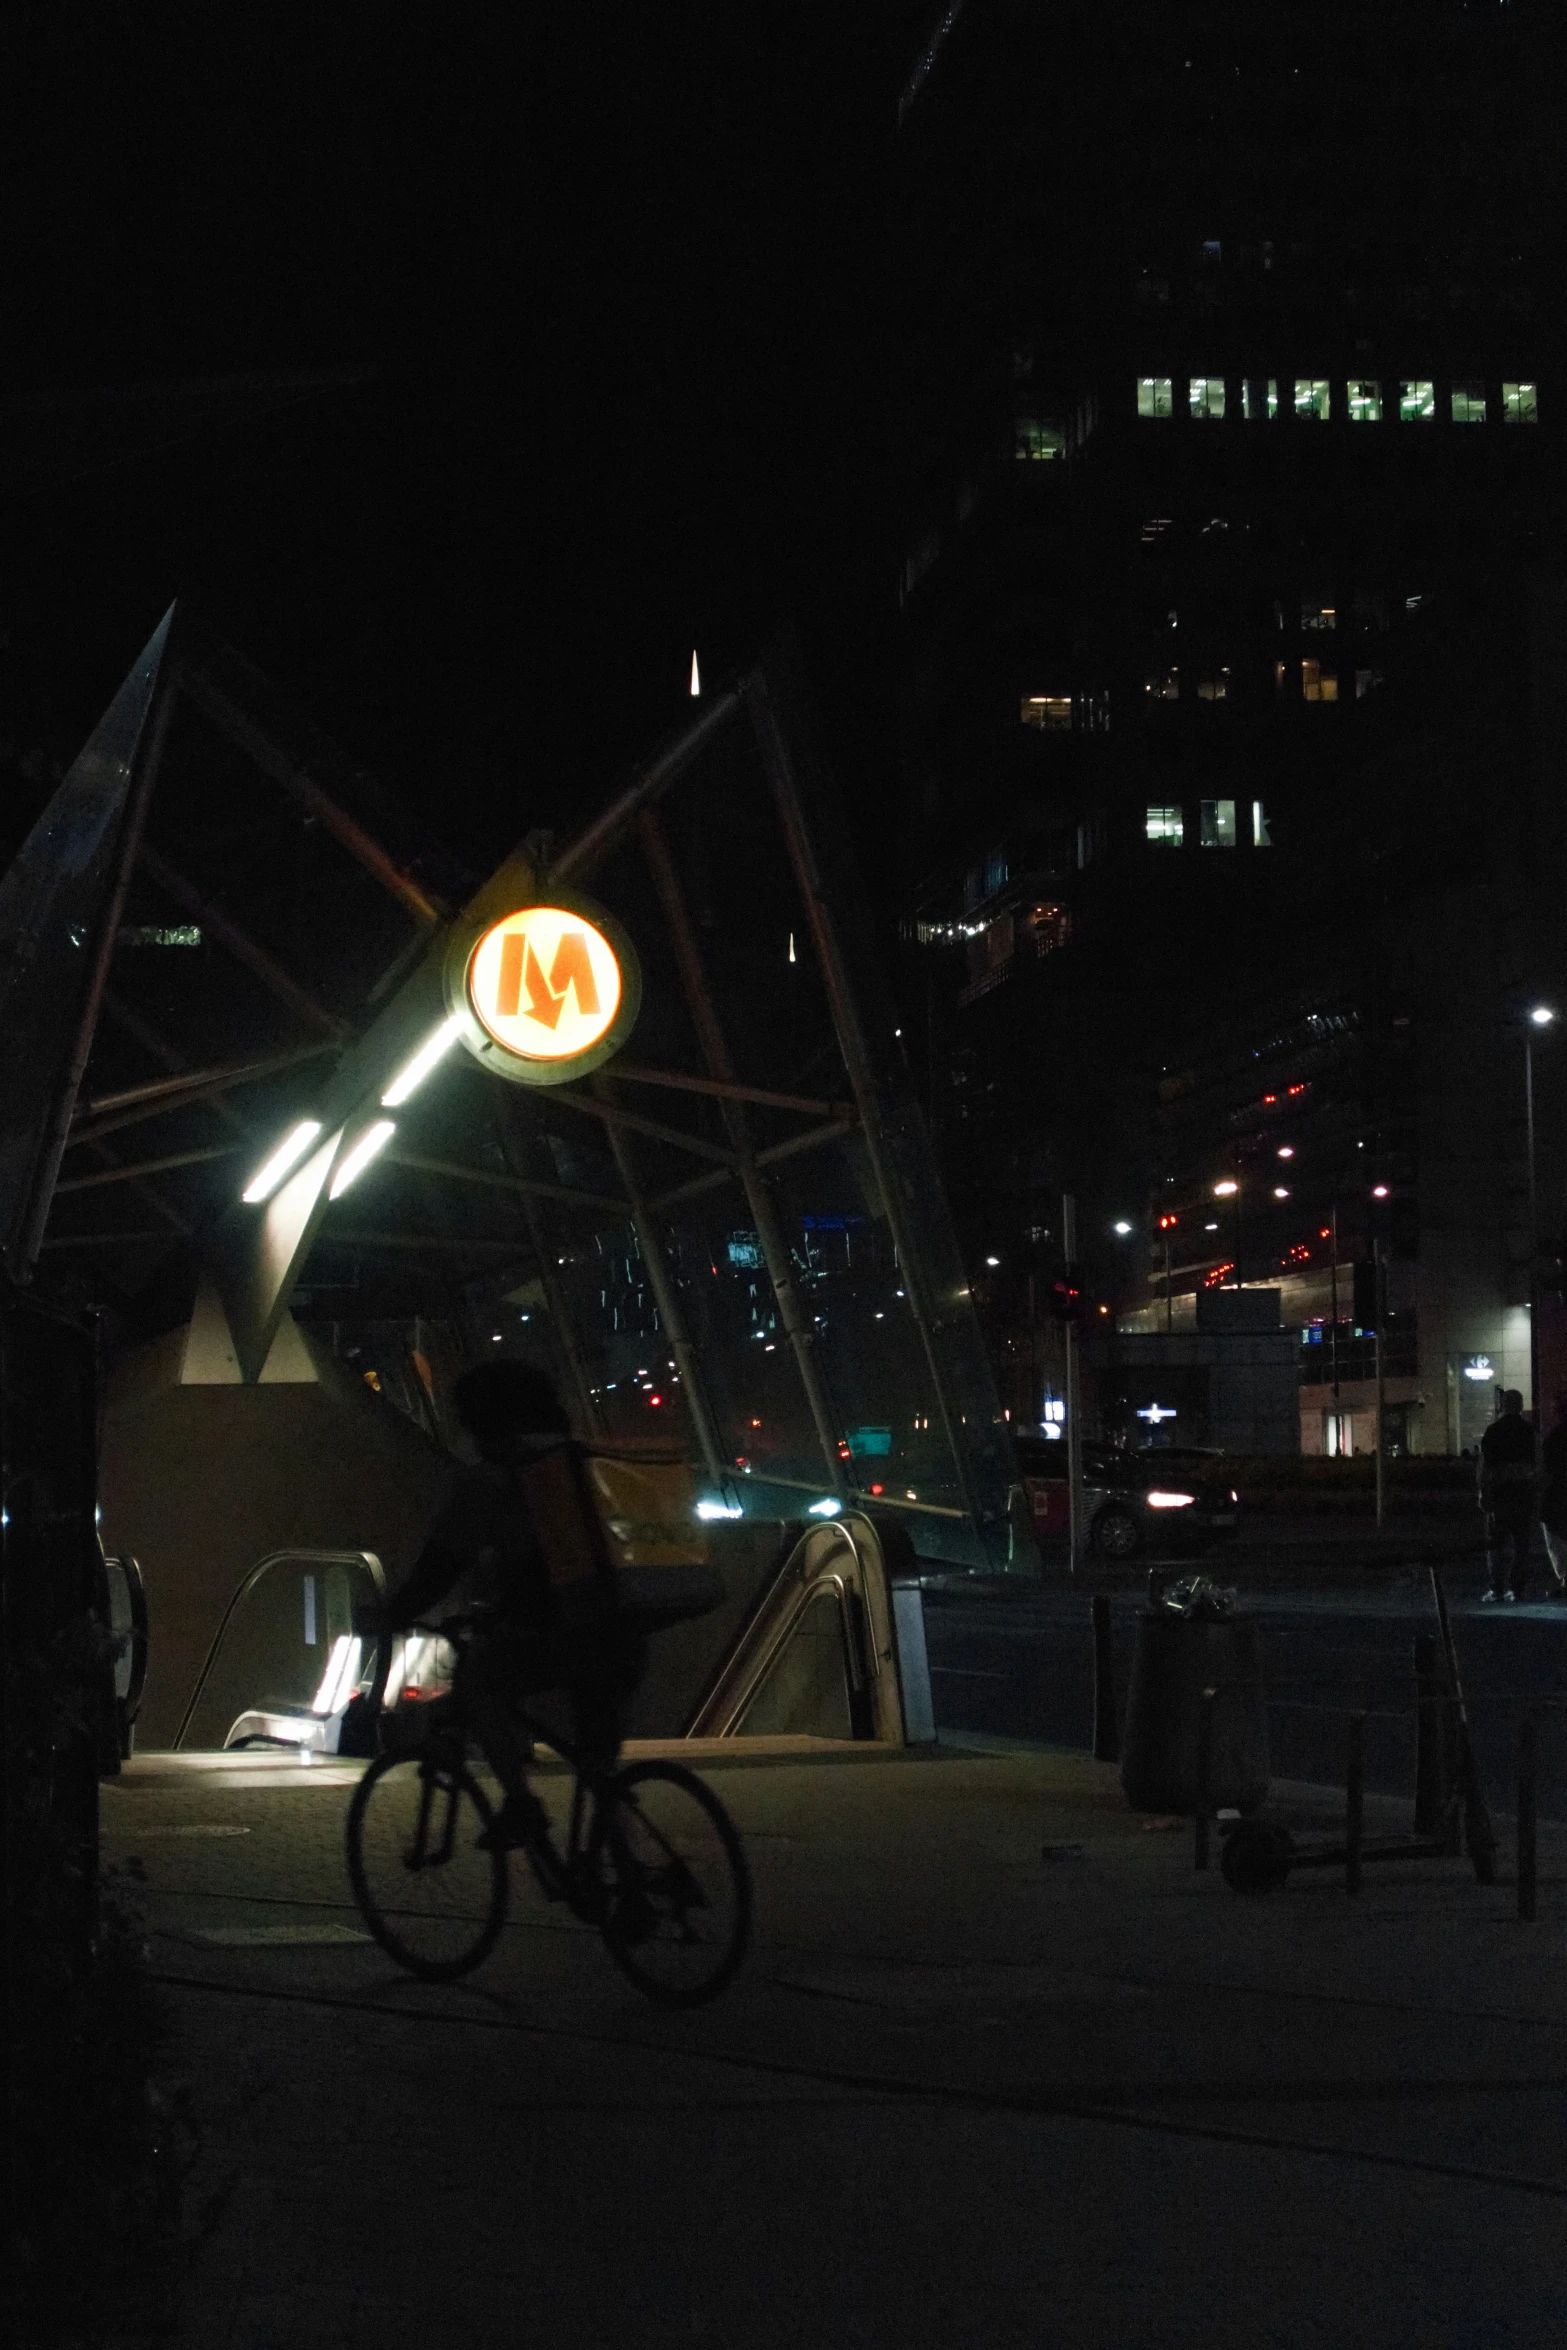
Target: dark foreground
[{"x": 1002, "y": 2071}]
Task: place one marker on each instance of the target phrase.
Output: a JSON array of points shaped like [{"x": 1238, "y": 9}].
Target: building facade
[{"x": 1233, "y": 685}]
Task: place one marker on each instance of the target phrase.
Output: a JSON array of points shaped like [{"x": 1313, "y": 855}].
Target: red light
[
  {"x": 1165, "y": 1222},
  {"x": 655, "y": 1399},
  {"x": 875, "y": 1489},
  {"x": 1269, "y": 1099},
  {"x": 1324, "y": 1234},
  {"x": 1294, "y": 1089},
  {"x": 756, "y": 1423}
]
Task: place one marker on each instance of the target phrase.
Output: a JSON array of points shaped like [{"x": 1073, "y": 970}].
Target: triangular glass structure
[{"x": 54, "y": 903}]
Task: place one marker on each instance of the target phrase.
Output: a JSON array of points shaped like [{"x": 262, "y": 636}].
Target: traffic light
[{"x": 1064, "y": 1300}]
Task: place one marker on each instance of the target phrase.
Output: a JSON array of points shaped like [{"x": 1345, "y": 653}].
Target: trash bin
[{"x": 1176, "y": 1658}]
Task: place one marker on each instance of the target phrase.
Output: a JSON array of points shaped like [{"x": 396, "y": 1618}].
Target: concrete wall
[{"x": 200, "y": 1477}]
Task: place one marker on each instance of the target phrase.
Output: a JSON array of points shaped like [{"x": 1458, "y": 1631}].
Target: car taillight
[{"x": 1169, "y": 1501}]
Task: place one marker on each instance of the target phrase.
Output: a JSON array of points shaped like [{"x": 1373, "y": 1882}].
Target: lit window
[
  {"x": 1206, "y": 394},
  {"x": 1316, "y": 683},
  {"x": 1165, "y": 827},
  {"x": 1052, "y": 712},
  {"x": 1261, "y": 837},
  {"x": 1034, "y": 438},
  {"x": 1469, "y": 403},
  {"x": 1155, "y": 395},
  {"x": 1217, "y": 830},
  {"x": 1317, "y": 616},
  {"x": 1365, "y": 403},
  {"x": 1520, "y": 403},
  {"x": 1416, "y": 402},
  {"x": 1259, "y": 398},
  {"x": 1155, "y": 527},
  {"x": 1214, "y": 689},
  {"x": 1164, "y": 686},
  {"x": 1313, "y": 397},
  {"x": 1366, "y": 682}
]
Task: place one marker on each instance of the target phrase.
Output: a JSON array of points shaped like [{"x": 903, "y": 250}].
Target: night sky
[{"x": 600, "y": 296}]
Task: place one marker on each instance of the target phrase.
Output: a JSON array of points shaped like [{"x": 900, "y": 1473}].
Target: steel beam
[{"x": 799, "y": 1327}]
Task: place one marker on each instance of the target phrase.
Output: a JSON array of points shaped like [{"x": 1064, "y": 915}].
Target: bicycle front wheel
[
  {"x": 676, "y": 1888},
  {"x": 431, "y": 1898}
]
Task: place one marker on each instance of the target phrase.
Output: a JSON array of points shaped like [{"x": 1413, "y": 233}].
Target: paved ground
[{"x": 1003, "y": 2071}]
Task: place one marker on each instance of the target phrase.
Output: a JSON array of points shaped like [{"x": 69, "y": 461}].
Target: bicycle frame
[{"x": 559, "y": 1874}]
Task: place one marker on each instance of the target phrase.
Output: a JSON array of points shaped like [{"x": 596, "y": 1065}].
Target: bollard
[
  {"x": 1526, "y": 1817},
  {"x": 1204, "y": 1778},
  {"x": 1354, "y": 1802},
  {"x": 1107, "y": 1738}
]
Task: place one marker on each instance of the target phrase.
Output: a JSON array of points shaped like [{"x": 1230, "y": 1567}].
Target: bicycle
[{"x": 651, "y": 1858}]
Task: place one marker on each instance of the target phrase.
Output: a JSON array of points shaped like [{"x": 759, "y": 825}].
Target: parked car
[{"x": 1179, "y": 1500}]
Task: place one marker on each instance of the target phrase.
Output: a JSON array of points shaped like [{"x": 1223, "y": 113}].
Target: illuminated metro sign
[{"x": 551, "y": 991}]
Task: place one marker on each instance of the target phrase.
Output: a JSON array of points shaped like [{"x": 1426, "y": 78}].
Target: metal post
[
  {"x": 1354, "y": 1802},
  {"x": 799, "y": 1326},
  {"x": 1534, "y": 1229},
  {"x": 1074, "y": 1434},
  {"x": 1204, "y": 1777},
  {"x": 1107, "y": 1736},
  {"x": 661, "y": 1282},
  {"x": 1169, "y": 1298},
  {"x": 1526, "y": 1816},
  {"x": 1433, "y": 1787},
  {"x": 1378, "y": 1299},
  {"x": 1338, "y": 1417},
  {"x": 856, "y": 1060}
]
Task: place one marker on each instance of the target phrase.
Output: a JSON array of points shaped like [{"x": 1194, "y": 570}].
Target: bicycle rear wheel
[
  {"x": 676, "y": 1887},
  {"x": 430, "y": 1897}
]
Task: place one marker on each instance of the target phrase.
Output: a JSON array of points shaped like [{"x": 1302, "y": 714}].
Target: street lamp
[
  {"x": 1541, "y": 1017},
  {"x": 1228, "y": 1188}
]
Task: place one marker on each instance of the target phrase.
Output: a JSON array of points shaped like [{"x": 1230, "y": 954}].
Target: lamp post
[{"x": 1541, "y": 1016}]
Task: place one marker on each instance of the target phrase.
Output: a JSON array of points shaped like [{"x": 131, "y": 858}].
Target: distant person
[
  {"x": 1507, "y": 1496},
  {"x": 1553, "y": 1498},
  {"x": 485, "y": 1540}
]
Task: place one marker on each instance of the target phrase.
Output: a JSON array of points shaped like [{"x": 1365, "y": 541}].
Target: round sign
[{"x": 545, "y": 983}]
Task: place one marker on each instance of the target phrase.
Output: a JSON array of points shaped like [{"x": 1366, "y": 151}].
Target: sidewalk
[{"x": 1002, "y": 2071}]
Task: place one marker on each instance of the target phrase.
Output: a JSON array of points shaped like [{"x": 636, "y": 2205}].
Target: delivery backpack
[{"x": 617, "y": 1525}]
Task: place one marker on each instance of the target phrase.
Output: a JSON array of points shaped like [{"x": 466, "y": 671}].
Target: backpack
[{"x": 617, "y": 1526}]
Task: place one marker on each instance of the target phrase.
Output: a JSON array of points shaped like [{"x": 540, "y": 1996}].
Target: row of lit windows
[
  {"x": 1217, "y": 825},
  {"x": 1412, "y": 399},
  {"x": 1053, "y": 713}
]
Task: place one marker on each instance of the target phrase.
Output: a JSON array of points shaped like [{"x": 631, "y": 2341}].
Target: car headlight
[{"x": 1169, "y": 1501}]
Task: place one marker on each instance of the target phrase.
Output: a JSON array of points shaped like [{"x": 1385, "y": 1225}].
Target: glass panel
[
  {"x": 1316, "y": 683},
  {"x": 1520, "y": 403},
  {"x": 52, "y": 902},
  {"x": 1163, "y": 686},
  {"x": 1469, "y": 403},
  {"x": 1205, "y": 394},
  {"x": 1259, "y": 397},
  {"x": 1036, "y": 439},
  {"x": 1313, "y": 397},
  {"x": 1218, "y": 824},
  {"x": 1261, "y": 837},
  {"x": 1315, "y": 615},
  {"x": 1365, "y": 403},
  {"x": 1165, "y": 827},
  {"x": 1155, "y": 395},
  {"x": 1052, "y": 712},
  {"x": 1416, "y": 401},
  {"x": 879, "y": 1295}
]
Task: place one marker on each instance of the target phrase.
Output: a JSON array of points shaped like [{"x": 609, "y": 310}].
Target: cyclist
[{"x": 487, "y": 1545}]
